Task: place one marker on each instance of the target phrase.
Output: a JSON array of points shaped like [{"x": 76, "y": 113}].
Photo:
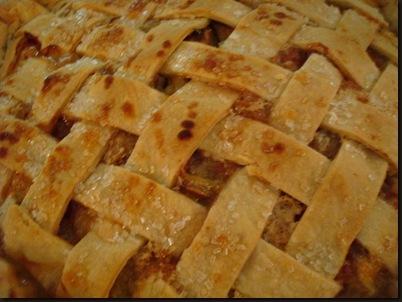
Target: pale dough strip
[
  {"x": 158, "y": 44},
  {"x": 365, "y": 124},
  {"x": 379, "y": 234},
  {"x": 149, "y": 209},
  {"x": 229, "y": 234},
  {"x": 42, "y": 253},
  {"x": 67, "y": 165},
  {"x": 363, "y": 8},
  {"x": 206, "y": 63},
  {"x": 358, "y": 27},
  {"x": 93, "y": 265},
  {"x": 338, "y": 210},
  {"x": 269, "y": 154},
  {"x": 386, "y": 44},
  {"x": 111, "y": 42},
  {"x": 384, "y": 95},
  {"x": 349, "y": 56},
  {"x": 115, "y": 101},
  {"x": 271, "y": 273},
  {"x": 176, "y": 130},
  {"x": 17, "y": 137},
  {"x": 263, "y": 31},
  {"x": 316, "y": 10},
  {"x": 225, "y": 11},
  {"x": 304, "y": 103},
  {"x": 58, "y": 89},
  {"x": 26, "y": 82}
]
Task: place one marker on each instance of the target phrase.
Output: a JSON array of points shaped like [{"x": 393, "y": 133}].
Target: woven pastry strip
[
  {"x": 271, "y": 273},
  {"x": 66, "y": 166},
  {"x": 349, "y": 56},
  {"x": 58, "y": 89},
  {"x": 338, "y": 209},
  {"x": 384, "y": 95},
  {"x": 206, "y": 63},
  {"x": 115, "y": 101},
  {"x": 42, "y": 253},
  {"x": 360, "y": 28},
  {"x": 25, "y": 84},
  {"x": 379, "y": 234},
  {"x": 225, "y": 11},
  {"x": 229, "y": 234},
  {"x": 263, "y": 31},
  {"x": 16, "y": 137},
  {"x": 176, "y": 130},
  {"x": 304, "y": 103},
  {"x": 269, "y": 154},
  {"x": 362, "y": 8},
  {"x": 93, "y": 265},
  {"x": 387, "y": 45},
  {"x": 365, "y": 124},
  {"x": 168, "y": 218},
  {"x": 21, "y": 11},
  {"x": 111, "y": 42},
  {"x": 158, "y": 45},
  {"x": 316, "y": 10}
]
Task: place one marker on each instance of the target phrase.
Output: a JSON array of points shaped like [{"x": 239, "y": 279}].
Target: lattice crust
[{"x": 198, "y": 148}]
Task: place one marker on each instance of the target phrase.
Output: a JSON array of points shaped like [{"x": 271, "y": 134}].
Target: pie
[{"x": 171, "y": 148}]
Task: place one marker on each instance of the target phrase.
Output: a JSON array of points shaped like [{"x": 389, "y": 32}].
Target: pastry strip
[
  {"x": 384, "y": 95},
  {"x": 305, "y": 101},
  {"x": 93, "y": 265},
  {"x": 20, "y": 11},
  {"x": 379, "y": 234},
  {"x": 16, "y": 137},
  {"x": 358, "y": 27},
  {"x": 228, "y": 12},
  {"x": 67, "y": 165},
  {"x": 316, "y": 10},
  {"x": 210, "y": 265},
  {"x": 269, "y": 154},
  {"x": 338, "y": 209},
  {"x": 5, "y": 179},
  {"x": 365, "y": 124},
  {"x": 206, "y": 63},
  {"x": 149, "y": 209},
  {"x": 263, "y": 31},
  {"x": 115, "y": 101},
  {"x": 159, "y": 43},
  {"x": 25, "y": 84},
  {"x": 271, "y": 273},
  {"x": 363, "y": 8},
  {"x": 58, "y": 89},
  {"x": 349, "y": 56},
  {"x": 41, "y": 253},
  {"x": 386, "y": 44},
  {"x": 112, "y": 41},
  {"x": 176, "y": 130}
]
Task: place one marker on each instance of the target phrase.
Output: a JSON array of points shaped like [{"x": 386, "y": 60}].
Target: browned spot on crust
[
  {"x": 3, "y": 152},
  {"x": 281, "y": 15},
  {"x": 275, "y": 22},
  {"x": 192, "y": 114},
  {"x": 52, "y": 80},
  {"x": 318, "y": 47},
  {"x": 150, "y": 38},
  {"x": 52, "y": 51},
  {"x": 185, "y": 135},
  {"x": 128, "y": 109},
  {"x": 166, "y": 44},
  {"x": 187, "y": 124},
  {"x": 277, "y": 148},
  {"x": 156, "y": 118},
  {"x": 108, "y": 81},
  {"x": 60, "y": 161},
  {"x": 10, "y": 137},
  {"x": 159, "y": 138},
  {"x": 160, "y": 53},
  {"x": 105, "y": 110},
  {"x": 192, "y": 105}
]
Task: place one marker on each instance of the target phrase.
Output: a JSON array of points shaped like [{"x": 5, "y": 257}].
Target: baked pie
[{"x": 170, "y": 148}]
